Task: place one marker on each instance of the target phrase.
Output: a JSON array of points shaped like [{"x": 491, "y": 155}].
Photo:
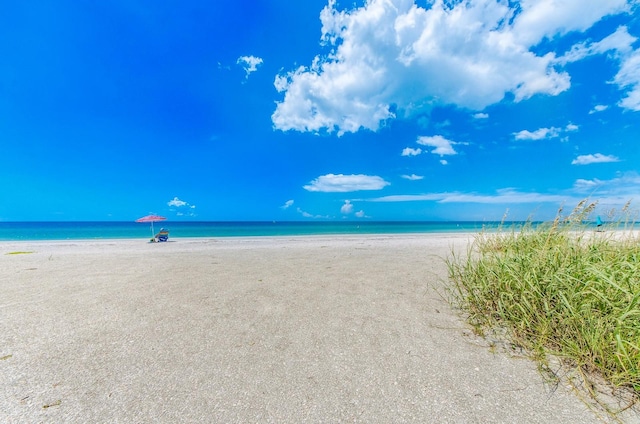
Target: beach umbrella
[{"x": 151, "y": 219}]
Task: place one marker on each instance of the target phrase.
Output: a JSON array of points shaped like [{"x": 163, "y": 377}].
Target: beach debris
[
  {"x": 49, "y": 405},
  {"x": 18, "y": 253},
  {"x": 5, "y": 357}
]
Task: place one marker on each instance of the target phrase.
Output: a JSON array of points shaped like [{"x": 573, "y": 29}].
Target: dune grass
[{"x": 561, "y": 290}]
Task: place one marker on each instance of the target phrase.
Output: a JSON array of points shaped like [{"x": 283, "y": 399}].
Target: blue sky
[{"x": 284, "y": 110}]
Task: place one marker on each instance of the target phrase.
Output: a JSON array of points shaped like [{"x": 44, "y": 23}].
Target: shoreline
[
  {"x": 231, "y": 240},
  {"x": 268, "y": 329}
]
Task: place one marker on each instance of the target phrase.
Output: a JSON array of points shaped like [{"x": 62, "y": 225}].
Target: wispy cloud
[
  {"x": 287, "y": 204},
  {"x": 614, "y": 192},
  {"x": 598, "y": 108},
  {"x": 503, "y": 196},
  {"x": 332, "y": 183},
  {"x": 628, "y": 78},
  {"x": 538, "y": 134},
  {"x": 249, "y": 64},
  {"x": 412, "y": 177},
  {"x": 620, "y": 42},
  {"x": 545, "y": 133},
  {"x": 468, "y": 54},
  {"x": 481, "y": 115},
  {"x": 582, "y": 185},
  {"x": 177, "y": 203},
  {"x": 595, "y": 158},
  {"x": 619, "y": 45},
  {"x": 310, "y": 215}
]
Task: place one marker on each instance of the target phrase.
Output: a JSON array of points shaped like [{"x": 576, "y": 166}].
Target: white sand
[{"x": 290, "y": 329}]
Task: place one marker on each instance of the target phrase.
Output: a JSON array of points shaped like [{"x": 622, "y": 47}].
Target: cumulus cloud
[
  {"x": 177, "y": 203},
  {"x": 249, "y": 64},
  {"x": 347, "y": 208},
  {"x": 596, "y": 158},
  {"x": 332, "y": 183},
  {"x": 394, "y": 58},
  {"x": 360, "y": 214},
  {"x": 409, "y": 151},
  {"x": 481, "y": 115},
  {"x": 441, "y": 144},
  {"x": 412, "y": 177},
  {"x": 287, "y": 204}
]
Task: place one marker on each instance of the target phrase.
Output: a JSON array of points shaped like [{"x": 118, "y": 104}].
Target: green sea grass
[{"x": 566, "y": 290}]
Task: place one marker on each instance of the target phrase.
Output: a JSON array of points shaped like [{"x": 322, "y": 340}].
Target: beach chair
[{"x": 163, "y": 235}]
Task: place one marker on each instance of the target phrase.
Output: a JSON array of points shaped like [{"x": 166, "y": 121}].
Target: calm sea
[{"x": 14, "y": 231}]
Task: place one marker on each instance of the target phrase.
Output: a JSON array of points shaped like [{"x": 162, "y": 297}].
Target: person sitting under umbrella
[{"x": 163, "y": 235}]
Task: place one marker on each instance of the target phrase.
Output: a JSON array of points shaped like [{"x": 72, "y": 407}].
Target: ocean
[{"x": 16, "y": 231}]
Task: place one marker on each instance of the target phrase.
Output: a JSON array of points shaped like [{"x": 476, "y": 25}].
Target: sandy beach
[{"x": 282, "y": 330}]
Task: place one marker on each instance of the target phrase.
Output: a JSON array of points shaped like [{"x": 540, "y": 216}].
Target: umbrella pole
[{"x": 152, "y": 232}]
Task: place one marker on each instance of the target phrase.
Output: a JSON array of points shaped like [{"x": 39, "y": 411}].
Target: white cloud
[
  {"x": 546, "y": 18},
  {"x": 249, "y": 64},
  {"x": 620, "y": 43},
  {"x": 441, "y": 144},
  {"x": 309, "y": 215},
  {"x": 582, "y": 185},
  {"x": 409, "y": 151},
  {"x": 305, "y": 214},
  {"x": 481, "y": 115},
  {"x": 508, "y": 196},
  {"x": 332, "y": 183},
  {"x": 177, "y": 203},
  {"x": 546, "y": 133},
  {"x": 360, "y": 214},
  {"x": 393, "y": 58},
  {"x": 538, "y": 134},
  {"x": 596, "y": 158},
  {"x": 628, "y": 77},
  {"x": 444, "y": 162},
  {"x": 287, "y": 204},
  {"x": 347, "y": 208},
  {"x": 598, "y": 108},
  {"x": 408, "y": 197},
  {"x": 412, "y": 177},
  {"x": 620, "y": 46},
  {"x": 571, "y": 127},
  {"x": 611, "y": 193}
]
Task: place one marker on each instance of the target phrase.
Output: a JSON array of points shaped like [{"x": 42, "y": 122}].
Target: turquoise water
[{"x": 15, "y": 231}]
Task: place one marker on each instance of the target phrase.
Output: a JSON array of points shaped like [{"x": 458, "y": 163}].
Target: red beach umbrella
[{"x": 151, "y": 219}]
